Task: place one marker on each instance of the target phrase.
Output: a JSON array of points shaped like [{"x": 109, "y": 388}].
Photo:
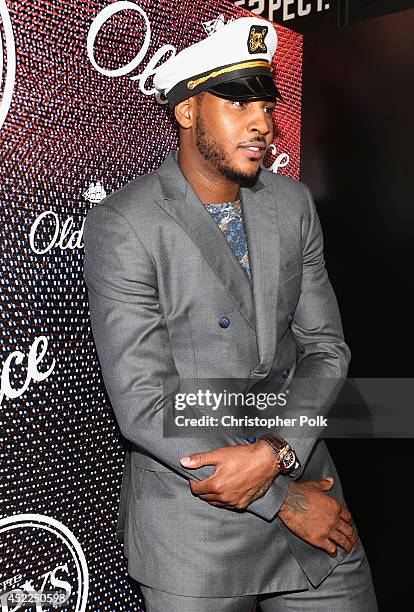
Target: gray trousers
[{"x": 348, "y": 588}]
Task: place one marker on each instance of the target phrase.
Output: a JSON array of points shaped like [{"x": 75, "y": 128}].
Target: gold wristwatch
[{"x": 287, "y": 460}]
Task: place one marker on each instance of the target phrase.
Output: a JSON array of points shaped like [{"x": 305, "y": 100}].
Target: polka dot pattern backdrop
[{"x": 72, "y": 134}]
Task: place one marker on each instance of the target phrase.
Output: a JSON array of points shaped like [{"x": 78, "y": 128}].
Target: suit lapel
[
  {"x": 182, "y": 203},
  {"x": 262, "y": 230},
  {"x": 257, "y": 300}
]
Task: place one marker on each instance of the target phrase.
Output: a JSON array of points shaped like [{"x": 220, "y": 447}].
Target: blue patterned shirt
[{"x": 229, "y": 218}]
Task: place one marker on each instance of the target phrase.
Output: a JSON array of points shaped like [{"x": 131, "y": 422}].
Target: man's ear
[{"x": 185, "y": 112}]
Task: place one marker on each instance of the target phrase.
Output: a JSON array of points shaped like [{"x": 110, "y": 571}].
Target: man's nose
[{"x": 259, "y": 122}]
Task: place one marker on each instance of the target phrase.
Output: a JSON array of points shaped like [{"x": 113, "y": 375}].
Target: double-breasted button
[
  {"x": 290, "y": 318},
  {"x": 224, "y": 322},
  {"x": 285, "y": 372},
  {"x": 251, "y": 439}
]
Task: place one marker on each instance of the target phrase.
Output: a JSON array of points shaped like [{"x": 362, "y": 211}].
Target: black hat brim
[
  {"x": 250, "y": 82},
  {"x": 255, "y": 87}
]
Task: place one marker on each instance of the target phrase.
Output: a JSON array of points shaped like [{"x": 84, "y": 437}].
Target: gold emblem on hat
[
  {"x": 249, "y": 64},
  {"x": 255, "y": 42}
]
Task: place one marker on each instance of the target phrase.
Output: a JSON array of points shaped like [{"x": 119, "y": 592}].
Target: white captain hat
[{"x": 233, "y": 63}]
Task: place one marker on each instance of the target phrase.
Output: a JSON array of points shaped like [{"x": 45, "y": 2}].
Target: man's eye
[
  {"x": 269, "y": 109},
  {"x": 239, "y": 103}
]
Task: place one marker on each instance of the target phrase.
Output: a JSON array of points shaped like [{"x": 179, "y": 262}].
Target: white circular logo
[{"x": 42, "y": 582}]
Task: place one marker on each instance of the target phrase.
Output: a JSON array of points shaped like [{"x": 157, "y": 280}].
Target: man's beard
[{"x": 214, "y": 153}]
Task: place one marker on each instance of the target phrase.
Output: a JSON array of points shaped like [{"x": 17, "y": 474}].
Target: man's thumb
[{"x": 196, "y": 460}]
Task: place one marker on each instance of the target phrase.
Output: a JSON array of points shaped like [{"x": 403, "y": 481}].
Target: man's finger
[
  {"x": 210, "y": 497},
  {"x": 345, "y": 515},
  {"x": 197, "y": 460},
  {"x": 342, "y": 540},
  {"x": 346, "y": 529},
  {"x": 329, "y": 547},
  {"x": 203, "y": 487}
]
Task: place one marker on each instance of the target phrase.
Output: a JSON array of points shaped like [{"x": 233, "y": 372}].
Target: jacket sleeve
[
  {"x": 132, "y": 343},
  {"x": 323, "y": 355}
]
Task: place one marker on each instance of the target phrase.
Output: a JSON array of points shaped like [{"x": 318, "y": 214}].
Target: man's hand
[
  {"x": 317, "y": 518},
  {"x": 243, "y": 474}
]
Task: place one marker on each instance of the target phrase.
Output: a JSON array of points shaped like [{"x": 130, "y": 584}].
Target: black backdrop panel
[{"x": 357, "y": 136}]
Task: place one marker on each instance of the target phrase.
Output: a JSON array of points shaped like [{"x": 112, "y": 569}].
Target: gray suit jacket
[{"x": 160, "y": 275}]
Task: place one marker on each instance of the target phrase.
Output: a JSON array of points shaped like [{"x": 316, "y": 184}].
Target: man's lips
[{"x": 254, "y": 149}]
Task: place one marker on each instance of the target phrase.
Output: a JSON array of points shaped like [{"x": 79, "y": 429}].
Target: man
[{"x": 208, "y": 268}]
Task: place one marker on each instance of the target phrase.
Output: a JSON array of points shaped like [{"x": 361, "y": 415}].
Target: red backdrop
[{"x": 73, "y": 133}]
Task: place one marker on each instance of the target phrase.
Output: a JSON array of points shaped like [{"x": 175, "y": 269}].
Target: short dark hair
[{"x": 200, "y": 95}]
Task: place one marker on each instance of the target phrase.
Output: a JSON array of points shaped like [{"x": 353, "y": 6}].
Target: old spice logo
[
  {"x": 210, "y": 27},
  {"x": 48, "y": 231},
  {"x": 150, "y": 69},
  {"x": 154, "y": 63},
  {"x": 7, "y": 61},
  {"x": 95, "y": 192},
  {"x": 32, "y": 372},
  {"x": 281, "y": 160}
]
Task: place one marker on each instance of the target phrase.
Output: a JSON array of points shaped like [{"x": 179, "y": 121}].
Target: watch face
[{"x": 289, "y": 459}]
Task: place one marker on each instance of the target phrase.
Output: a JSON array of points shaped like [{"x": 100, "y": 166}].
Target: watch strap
[{"x": 282, "y": 447}]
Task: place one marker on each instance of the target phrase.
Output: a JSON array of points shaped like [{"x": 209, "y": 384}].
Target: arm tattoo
[
  {"x": 296, "y": 500},
  {"x": 261, "y": 489}
]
